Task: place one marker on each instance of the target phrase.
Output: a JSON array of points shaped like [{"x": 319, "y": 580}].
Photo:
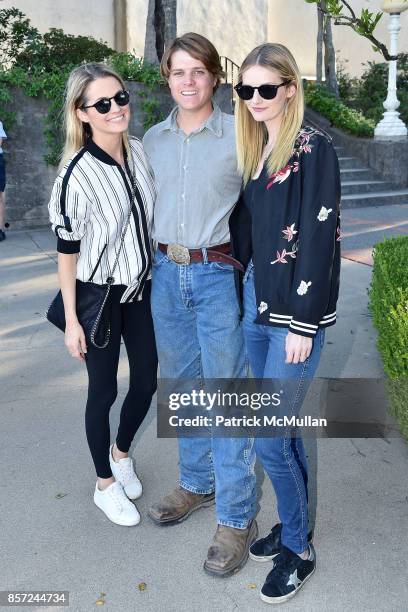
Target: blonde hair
[
  {"x": 252, "y": 135},
  {"x": 76, "y": 131}
]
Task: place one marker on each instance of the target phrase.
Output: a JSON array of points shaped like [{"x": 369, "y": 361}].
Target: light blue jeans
[
  {"x": 199, "y": 335},
  {"x": 283, "y": 458}
]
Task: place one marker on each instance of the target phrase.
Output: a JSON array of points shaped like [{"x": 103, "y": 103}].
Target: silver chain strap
[{"x": 110, "y": 279}]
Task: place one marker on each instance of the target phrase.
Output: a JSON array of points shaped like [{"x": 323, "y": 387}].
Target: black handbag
[
  {"x": 93, "y": 308},
  {"x": 93, "y": 302}
]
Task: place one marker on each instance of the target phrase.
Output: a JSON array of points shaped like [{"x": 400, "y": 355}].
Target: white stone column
[{"x": 391, "y": 127}]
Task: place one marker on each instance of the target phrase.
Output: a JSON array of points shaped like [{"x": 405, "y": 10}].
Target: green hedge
[
  {"x": 340, "y": 115},
  {"x": 389, "y": 307},
  {"x": 39, "y": 64},
  {"x": 368, "y": 92}
]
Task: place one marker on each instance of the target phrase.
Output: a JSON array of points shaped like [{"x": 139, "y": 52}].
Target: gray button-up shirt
[{"x": 196, "y": 179}]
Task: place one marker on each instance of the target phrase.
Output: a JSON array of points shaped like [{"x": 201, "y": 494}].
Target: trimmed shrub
[
  {"x": 372, "y": 89},
  {"x": 55, "y": 49},
  {"x": 367, "y": 93},
  {"x": 340, "y": 115},
  {"x": 389, "y": 307}
]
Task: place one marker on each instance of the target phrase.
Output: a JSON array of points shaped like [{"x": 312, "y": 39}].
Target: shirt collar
[
  {"x": 100, "y": 154},
  {"x": 213, "y": 123}
]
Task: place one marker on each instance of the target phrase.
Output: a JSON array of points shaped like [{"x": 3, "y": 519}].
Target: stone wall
[
  {"x": 29, "y": 179},
  {"x": 388, "y": 158}
]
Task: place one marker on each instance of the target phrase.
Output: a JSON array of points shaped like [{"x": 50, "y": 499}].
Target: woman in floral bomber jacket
[{"x": 286, "y": 230}]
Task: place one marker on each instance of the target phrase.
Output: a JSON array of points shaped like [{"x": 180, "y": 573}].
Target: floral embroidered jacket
[{"x": 289, "y": 224}]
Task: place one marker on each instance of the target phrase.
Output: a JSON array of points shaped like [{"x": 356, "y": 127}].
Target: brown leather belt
[{"x": 184, "y": 256}]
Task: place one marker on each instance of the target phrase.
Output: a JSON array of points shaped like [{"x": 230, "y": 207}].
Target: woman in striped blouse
[{"x": 103, "y": 174}]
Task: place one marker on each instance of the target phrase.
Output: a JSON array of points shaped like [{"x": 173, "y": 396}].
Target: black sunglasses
[
  {"x": 103, "y": 105},
  {"x": 267, "y": 92}
]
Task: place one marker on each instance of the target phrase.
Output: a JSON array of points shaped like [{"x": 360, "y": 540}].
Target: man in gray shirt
[{"x": 194, "y": 303}]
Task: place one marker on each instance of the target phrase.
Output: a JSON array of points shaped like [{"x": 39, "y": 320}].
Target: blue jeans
[
  {"x": 199, "y": 335},
  {"x": 283, "y": 458}
]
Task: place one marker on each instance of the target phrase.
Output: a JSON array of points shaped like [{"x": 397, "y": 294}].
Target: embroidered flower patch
[
  {"x": 281, "y": 257},
  {"x": 289, "y": 232},
  {"x": 303, "y": 287},
  {"x": 262, "y": 307},
  {"x": 324, "y": 213},
  {"x": 302, "y": 145}
]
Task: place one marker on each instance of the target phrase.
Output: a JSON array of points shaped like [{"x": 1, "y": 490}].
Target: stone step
[
  {"x": 349, "y": 162},
  {"x": 379, "y": 198},
  {"x": 350, "y": 187},
  {"x": 357, "y": 174}
]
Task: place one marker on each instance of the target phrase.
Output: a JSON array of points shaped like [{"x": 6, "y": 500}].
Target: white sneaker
[
  {"x": 124, "y": 472},
  {"x": 114, "y": 503}
]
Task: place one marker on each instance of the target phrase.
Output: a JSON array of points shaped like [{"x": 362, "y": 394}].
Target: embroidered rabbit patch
[
  {"x": 324, "y": 213},
  {"x": 303, "y": 287}
]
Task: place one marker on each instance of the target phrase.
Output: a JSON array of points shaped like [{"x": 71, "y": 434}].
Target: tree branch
[
  {"x": 350, "y": 9},
  {"x": 358, "y": 26},
  {"x": 384, "y": 51}
]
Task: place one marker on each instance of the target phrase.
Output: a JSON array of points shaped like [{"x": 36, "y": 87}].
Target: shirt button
[
  {"x": 181, "y": 224},
  {"x": 184, "y": 167},
  {"x": 183, "y": 196}
]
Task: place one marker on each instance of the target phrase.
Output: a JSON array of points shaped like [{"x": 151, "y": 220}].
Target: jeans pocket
[
  {"x": 225, "y": 267},
  {"x": 159, "y": 258}
]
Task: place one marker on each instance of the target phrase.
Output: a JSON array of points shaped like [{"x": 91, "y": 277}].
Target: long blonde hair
[
  {"x": 76, "y": 131},
  {"x": 252, "y": 135}
]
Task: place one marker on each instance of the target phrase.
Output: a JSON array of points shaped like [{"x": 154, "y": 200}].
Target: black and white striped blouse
[{"x": 88, "y": 208}]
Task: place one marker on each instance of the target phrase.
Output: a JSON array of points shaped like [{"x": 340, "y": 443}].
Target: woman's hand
[
  {"x": 298, "y": 348},
  {"x": 75, "y": 339},
  {"x": 74, "y": 334}
]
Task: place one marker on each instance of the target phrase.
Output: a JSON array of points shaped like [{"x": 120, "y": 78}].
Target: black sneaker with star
[
  {"x": 288, "y": 575},
  {"x": 266, "y": 549}
]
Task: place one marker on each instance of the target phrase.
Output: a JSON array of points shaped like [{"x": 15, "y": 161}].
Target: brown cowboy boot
[
  {"x": 178, "y": 505},
  {"x": 229, "y": 550}
]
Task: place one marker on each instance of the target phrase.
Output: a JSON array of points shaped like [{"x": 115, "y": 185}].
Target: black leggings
[{"x": 134, "y": 322}]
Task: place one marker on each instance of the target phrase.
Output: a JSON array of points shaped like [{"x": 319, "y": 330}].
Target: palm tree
[
  {"x": 319, "y": 56},
  {"x": 325, "y": 38},
  {"x": 161, "y": 28},
  {"x": 329, "y": 57},
  {"x": 170, "y": 21}
]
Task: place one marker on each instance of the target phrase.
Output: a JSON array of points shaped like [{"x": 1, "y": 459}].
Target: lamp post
[{"x": 391, "y": 127}]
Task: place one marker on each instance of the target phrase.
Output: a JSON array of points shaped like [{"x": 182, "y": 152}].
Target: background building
[{"x": 235, "y": 26}]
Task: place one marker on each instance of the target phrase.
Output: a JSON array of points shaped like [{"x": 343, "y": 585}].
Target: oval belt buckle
[{"x": 178, "y": 253}]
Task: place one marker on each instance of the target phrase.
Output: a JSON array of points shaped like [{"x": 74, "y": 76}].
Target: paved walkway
[
  {"x": 363, "y": 227},
  {"x": 53, "y": 537}
]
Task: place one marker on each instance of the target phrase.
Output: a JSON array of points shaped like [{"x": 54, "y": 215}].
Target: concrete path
[{"x": 52, "y": 535}]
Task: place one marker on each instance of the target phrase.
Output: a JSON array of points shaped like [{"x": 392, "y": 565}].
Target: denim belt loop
[{"x": 205, "y": 258}]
